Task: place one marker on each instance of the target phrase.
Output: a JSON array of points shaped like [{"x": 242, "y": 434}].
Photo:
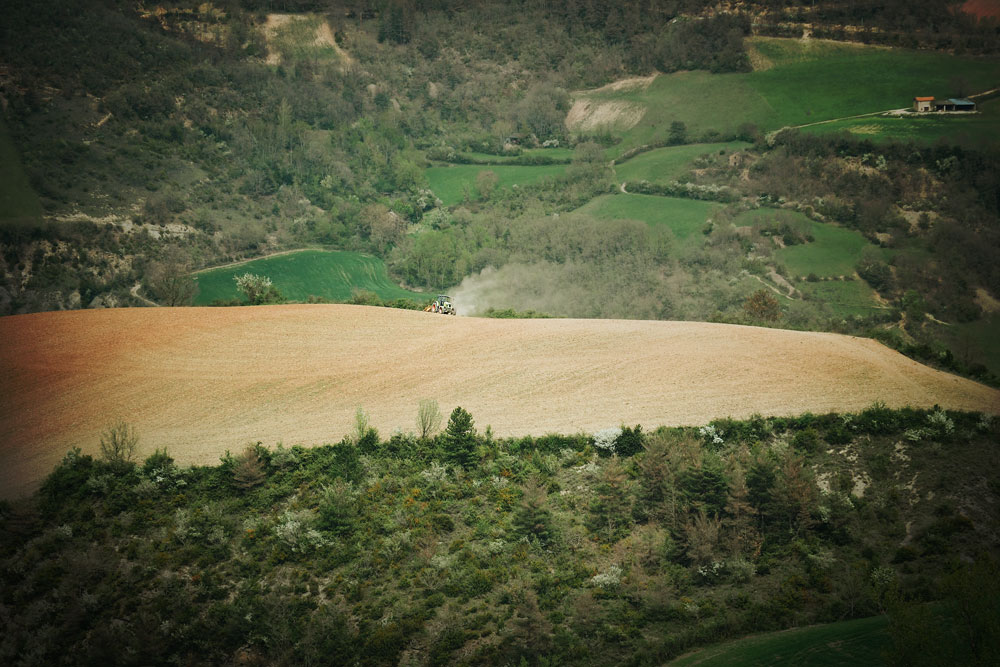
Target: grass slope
[
  {"x": 17, "y": 198},
  {"x": 804, "y": 83},
  {"x": 664, "y": 165},
  {"x": 965, "y": 130},
  {"x": 847, "y": 643},
  {"x": 448, "y": 183},
  {"x": 333, "y": 275},
  {"x": 834, "y": 251},
  {"x": 684, "y": 217}
]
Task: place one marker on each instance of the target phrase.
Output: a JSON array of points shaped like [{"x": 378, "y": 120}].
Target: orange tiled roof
[{"x": 924, "y": 99}]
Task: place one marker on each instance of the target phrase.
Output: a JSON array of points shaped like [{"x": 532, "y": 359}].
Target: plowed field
[{"x": 200, "y": 381}]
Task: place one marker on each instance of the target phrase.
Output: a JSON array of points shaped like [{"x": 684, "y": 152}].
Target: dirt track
[{"x": 203, "y": 380}]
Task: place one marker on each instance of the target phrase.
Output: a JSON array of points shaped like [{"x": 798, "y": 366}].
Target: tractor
[{"x": 442, "y": 304}]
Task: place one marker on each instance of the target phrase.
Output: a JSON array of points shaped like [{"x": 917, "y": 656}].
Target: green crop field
[
  {"x": 17, "y": 199},
  {"x": 448, "y": 183},
  {"x": 685, "y": 217},
  {"x": 847, "y": 643},
  {"x": 333, "y": 275},
  {"x": 664, "y": 165},
  {"x": 802, "y": 83},
  {"x": 834, "y": 251},
  {"x": 963, "y": 129}
]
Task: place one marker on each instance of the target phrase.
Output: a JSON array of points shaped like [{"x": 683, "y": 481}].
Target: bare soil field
[{"x": 199, "y": 381}]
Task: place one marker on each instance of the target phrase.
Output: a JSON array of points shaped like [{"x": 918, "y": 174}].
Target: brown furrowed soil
[{"x": 199, "y": 381}]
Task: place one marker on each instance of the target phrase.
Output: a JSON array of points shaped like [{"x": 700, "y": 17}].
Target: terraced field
[{"x": 202, "y": 381}]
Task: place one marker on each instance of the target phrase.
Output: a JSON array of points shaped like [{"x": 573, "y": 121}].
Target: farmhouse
[{"x": 952, "y": 104}]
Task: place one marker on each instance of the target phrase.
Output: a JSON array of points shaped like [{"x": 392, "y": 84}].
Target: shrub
[
  {"x": 806, "y": 441},
  {"x": 630, "y": 441}
]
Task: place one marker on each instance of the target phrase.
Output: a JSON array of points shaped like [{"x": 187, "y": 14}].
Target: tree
[
  {"x": 762, "y": 306},
  {"x": 428, "y": 418},
  {"x": 678, "y": 133},
  {"x": 459, "y": 439},
  {"x": 532, "y": 518},
  {"x": 248, "y": 469},
  {"x": 611, "y": 509},
  {"x": 169, "y": 279},
  {"x": 258, "y": 289},
  {"x": 385, "y": 228},
  {"x": 118, "y": 444},
  {"x": 486, "y": 183}
]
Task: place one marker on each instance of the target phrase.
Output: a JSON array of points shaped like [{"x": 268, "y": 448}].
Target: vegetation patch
[
  {"x": 587, "y": 549},
  {"x": 331, "y": 275},
  {"x": 17, "y": 198}
]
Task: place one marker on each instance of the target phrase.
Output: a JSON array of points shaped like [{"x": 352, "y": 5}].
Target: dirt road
[{"x": 200, "y": 381}]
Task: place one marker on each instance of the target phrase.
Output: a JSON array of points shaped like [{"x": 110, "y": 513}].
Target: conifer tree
[{"x": 459, "y": 439}]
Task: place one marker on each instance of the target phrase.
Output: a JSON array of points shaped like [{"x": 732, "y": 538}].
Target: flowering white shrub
[
  {"x": 940, "y": 422},
  {"x": 610, "y": 578},
  {"x": 711, "y": 434},
  {"x": 293, "y": 530},
  {"x": 495, "y": 546},
  {"x": 436, "y": 475},
  {"x": 605, "y": 439}
]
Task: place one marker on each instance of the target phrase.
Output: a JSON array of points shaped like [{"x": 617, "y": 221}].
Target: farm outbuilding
[
  {"x": 954, "y": 104},
  {"x": 923, "y": 103}
]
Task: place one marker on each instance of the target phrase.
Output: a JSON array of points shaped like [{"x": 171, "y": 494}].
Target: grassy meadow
[
  {"x": 332, "y": 275},
  {"x": 664, "y": 165},
  {"x": 797, "y": 83},
  {"x": 856, "y": 642},
  {"x": 964, "y": 129},
  {"x": 685, "y": 217},
  {"x": 844, "y": 298},
  {"x": 834, "y": 251},
  {"x": 449, "y": 183}
]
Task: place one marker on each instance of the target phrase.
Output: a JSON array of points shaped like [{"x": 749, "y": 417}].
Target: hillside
[{"x": 203, "y": 381}]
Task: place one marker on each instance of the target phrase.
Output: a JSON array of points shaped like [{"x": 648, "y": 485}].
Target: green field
[
  {"x": 804, "y": 83},
  {"x": 17, "y": 199},
  {"x": 686, "y": 218},
  {"x": 834, "y": 251},
  {"x": 664, "y": 165},
  {"x": 847, "y": 643},
  {"x": 975, "y": 341},
  {"x": 845, "y": 298},
  {"x": 333, "y": 275},
  {"x": 449, "y": 183},
  {"x": 963, "y": 129}
]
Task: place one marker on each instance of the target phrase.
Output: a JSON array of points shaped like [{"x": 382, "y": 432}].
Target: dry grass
[{"x": 200, "y": 381}]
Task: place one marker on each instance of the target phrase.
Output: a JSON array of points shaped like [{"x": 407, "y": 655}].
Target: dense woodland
[{"x": 456, "y": 547}]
